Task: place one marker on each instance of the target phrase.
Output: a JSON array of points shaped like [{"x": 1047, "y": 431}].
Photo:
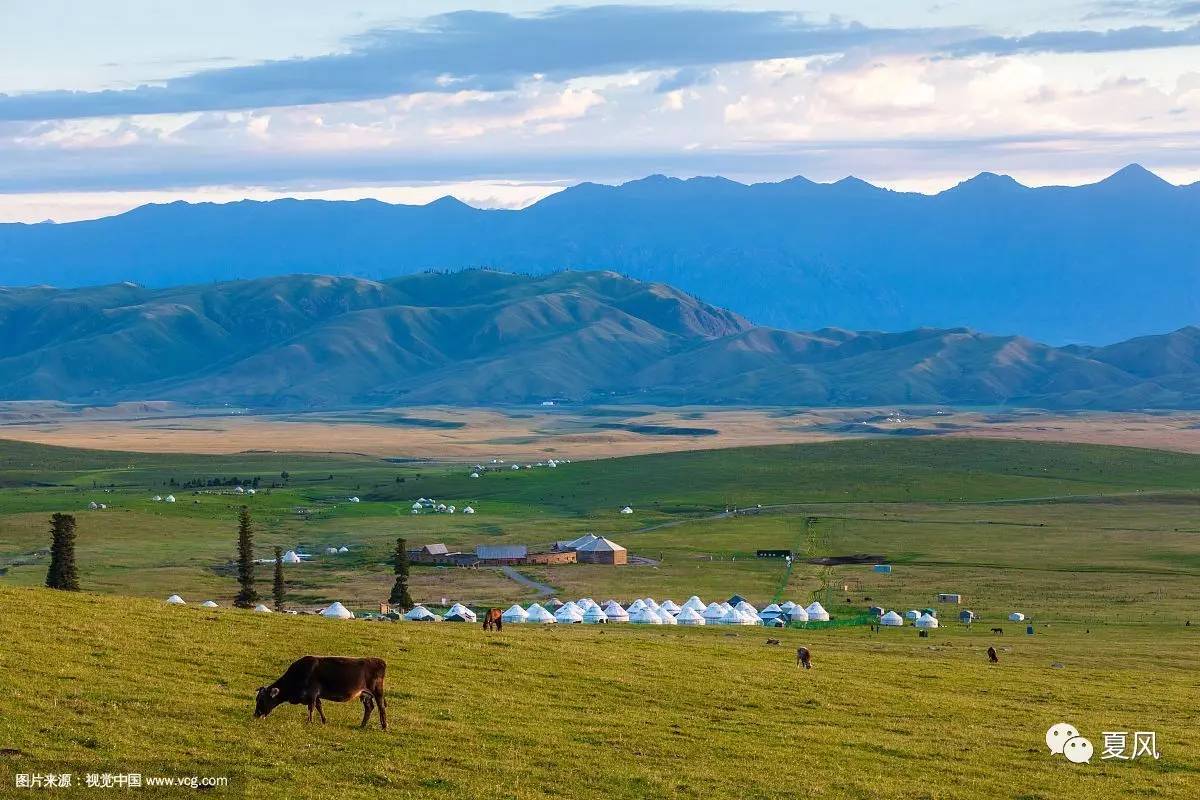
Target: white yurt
[
  {"x": 515, "y": 614},
  {"x": 644, "y": 616},
  {"x": 209, "y": 604},
  {"x": 170, "y": 498},
  {"x": 626, "y": 510},
  {"x": 238, "y": 490},
  {"x": 416, "y": 507},
  {"x": 689, "y": 616},
  {"x": 331, "y": 551},
  {"x": 354, "y": 500},
  {"x": 468, "y": 510},
  {"x": 892, "y": 620},
  {"x": 339, "y": 611},
  {"x": 735, "y": 617},
  {"x": 586, "y": 604},
  {"x": 594, "y": 616},
  {"x": 251, "y": 491},
  {"x": 746, "y": 608},
  {"x": 261, "y": 609},
  {"x": 670, "y": 607},
  {"x": 474, "y": 474},
  {"x": 176, "y": 600},
  {"x": 158, "y": 498},
  {"x": 666, "y": 616},
  {"x": 290, "y": 557},
  {"x": 539, "y": 615},
  {"x": 650, "y": 604},
  {"x": 798, "y": 614},
  {"x": 636, "y": 605},
  {"x": 926, "y": 621},
  {"x": 459, "y": 613},
  {"x": 787, "y": 607},
  {"x": 615, "y": 613},
  {"x": 343, "y": 549},
  {"x": 724, "y": 605},
  {"x": 419, "y": 614},
  {"x": 912, "y": 615},
  {"x": 1016, "y": 616},
  {"x": 817, "y": 612},
  {"x": 516, "y": 466},
  {"x": 93, "y": 505},
  {"x": 568, "y": 613},
  {"x": 713, "y": 613},
  {"x": 695, "y": 604}
]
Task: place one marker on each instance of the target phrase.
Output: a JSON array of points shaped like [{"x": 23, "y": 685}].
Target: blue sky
[{"x": 105, "y": 105}]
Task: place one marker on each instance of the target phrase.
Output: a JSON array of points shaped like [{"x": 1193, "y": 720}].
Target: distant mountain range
[
  {"x": 483, "y": 337},
  {"x": 1092, "y": 264}
]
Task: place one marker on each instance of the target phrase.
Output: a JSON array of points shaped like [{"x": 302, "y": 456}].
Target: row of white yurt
[
  {"x": 594, "y": 616},
  {"x": 689, "y": 616},
  {"x": 695, "y": 604},
  {"x": 892, "y": 620},
  {"x": 926, "y": 622},
  {"x": 420, "y": 614},
  {"x": 514, "y": 614},
  {"x": 817, "y": 612},
  {"x": 538, "y": 615},
  {"x": 798, "y": 614},
  {"x": 645, "y": 616},
  {"x": 615, "y": 613}
]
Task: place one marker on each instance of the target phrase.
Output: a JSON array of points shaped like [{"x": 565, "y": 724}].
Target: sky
[{"x": 109, "y": 104}]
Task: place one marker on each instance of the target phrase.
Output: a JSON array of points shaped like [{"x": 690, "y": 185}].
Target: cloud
[
  {"x": 487, "y": 51},
  {"x": 1141, "y": 37}
]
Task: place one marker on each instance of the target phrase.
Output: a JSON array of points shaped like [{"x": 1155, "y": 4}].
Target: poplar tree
[
  {"x": 400, "y": 596},
  {"x": 279, "y": 589},
  {"x": 246, "y": 596},
  {"x": 62, "y": 573}
]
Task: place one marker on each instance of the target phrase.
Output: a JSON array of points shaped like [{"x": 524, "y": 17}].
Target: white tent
[
  {"x": 773, "y": 610},
  {"x": 912, "y": 615},
  {"x": 540, "y": 615},
  {"x": 261, "y": 609},
  {"x": 645, "y": 616},
  {"x": 158, "y": 498},
  {"x": 343, "y": 549},
  {"x": 338, "y": 611},
  {"x": 209, "y": 604},
  {"x": 568, "y": 613},
  {"x": 713, "y": 613},
  {"x": 689, "y": 616},
  {"x": 176, "y": 600},
  {"x": 817, "y": 612},
  {"x": 798, "y": 614},
  {"x": 650, "y": 604},
  {"x": 670, "y": 607},
  {"x": 1016, "y": 616},
  {"x": 331, "y": 551},
  {"x": 170, "y": 498},
  {"x": 746, "y": 608},
  {"x": 290, "y": 557},
  {"x": 926, "y": 621},
  {"x": 892, "y": 620},
  {"x": 474, "y": 474},
  {"x": 636, "y": 605},
  {"x": 724, "y": 606},
  {"x": 251, "y": 491},
  {"x": 516, "y": 466},
  {"x": 515, "y": 614},
  {"x": 468, "y": 510},
  {"x": 666, "y": 616},
  {"x": 615, "y": 613},
  {"x": 416, "y": 507},
  {"x": 459, "y": 613},
  {"x": 626, "y": 510},
  {"x": 694, "y": 603},
  {"x": 419, "y": 614},
  {"x": 93, "y": 505},
  {"x": 787, "y": 607},
  {"x": 354, "y": 500},
  {"x": 735, "y": 617},
  {"x": 594, "y": 616},
  {"x": 586, "y": 604},
  {"x": 238, "y": 490}
]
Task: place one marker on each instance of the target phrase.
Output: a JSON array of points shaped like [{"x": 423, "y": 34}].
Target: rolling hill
[
  {"x": 480, "y": 337},
  {"x": 1097, "y": 263}
]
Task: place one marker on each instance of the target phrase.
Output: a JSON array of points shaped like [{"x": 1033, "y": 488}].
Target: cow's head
[{"x": 267, "y": 699}]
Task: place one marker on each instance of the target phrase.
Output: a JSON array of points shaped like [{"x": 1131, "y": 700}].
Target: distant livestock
[
  {"x": 992, "y": 657},
  {"x": 998, "y": 631},
  {"x": 803, "y": 657},
  {"x": 311, "y": 679},
  {"x": 493, "y": 620}
]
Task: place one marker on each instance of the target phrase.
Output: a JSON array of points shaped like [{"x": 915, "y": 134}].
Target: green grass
[{"x": 100, "y": 684}]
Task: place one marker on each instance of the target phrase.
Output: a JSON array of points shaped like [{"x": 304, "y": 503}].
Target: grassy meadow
[{"x": 1099, "y": 546}]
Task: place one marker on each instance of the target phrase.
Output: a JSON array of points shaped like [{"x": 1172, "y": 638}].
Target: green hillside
[{"x": 96, "y": 684}]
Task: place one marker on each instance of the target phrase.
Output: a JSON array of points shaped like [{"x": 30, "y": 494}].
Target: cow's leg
[
  {"x": 382, "y": 705},
  {"x": 312, "y": 703},
  {"x": 368, "y": 704},
  {"x": 320, "y": 710}
]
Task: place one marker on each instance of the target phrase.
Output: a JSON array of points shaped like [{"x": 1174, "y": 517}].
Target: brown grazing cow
[
  {"x": 311, "y": 679},
  {"x": 992, "y": 657},
  {"x": 493, "y": 620},
  {"x": 804, "y": 657}
]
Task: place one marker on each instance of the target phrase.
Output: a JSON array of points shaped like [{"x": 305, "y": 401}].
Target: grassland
[
  {"x": 1099, "y": 545},
  {"x": 101, "y": 683}
]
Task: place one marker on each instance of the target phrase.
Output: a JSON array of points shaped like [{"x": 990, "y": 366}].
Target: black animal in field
[
  {"x": 311, "y": 679},
  {"x": 992, "y": 657},
  {"x": 998, "y": 631}
]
